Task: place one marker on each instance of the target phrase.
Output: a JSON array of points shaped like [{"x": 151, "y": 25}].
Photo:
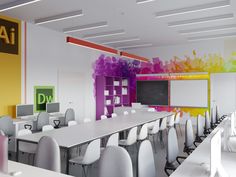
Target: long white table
[
  {"x": 193, "y": 165},
  {"x": 70, "y": 137}
]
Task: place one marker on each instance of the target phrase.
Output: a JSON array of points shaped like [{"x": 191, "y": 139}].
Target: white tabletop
[
  {"x": 193, "y": 165},
  {"x": 82, "y": 133}
]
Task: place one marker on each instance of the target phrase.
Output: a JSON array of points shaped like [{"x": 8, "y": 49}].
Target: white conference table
[
  {"x": 193, "y": 165},
  {"x": 70, "y": 137},
  {"x": 30, "y": 171}
]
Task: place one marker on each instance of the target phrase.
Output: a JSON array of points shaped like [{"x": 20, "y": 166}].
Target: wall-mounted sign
[
  {"x": 9, "y": 37},
  {"x": 43, "y": 95}
]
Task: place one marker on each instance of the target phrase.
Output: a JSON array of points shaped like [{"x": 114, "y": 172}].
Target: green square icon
[{"x": 43, "y": 95}]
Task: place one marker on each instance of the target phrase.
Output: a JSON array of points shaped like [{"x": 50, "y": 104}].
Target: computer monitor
[
  {"x": 53, "y": 107},
  {"x": 24, "y": 110},
  {"x": 216, "y": 167}
]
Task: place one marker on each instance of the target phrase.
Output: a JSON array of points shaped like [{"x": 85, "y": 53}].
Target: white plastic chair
[
  {"x": 72, "y": 123},
  {"x": 133, "y": 111},
  {"x": 163, "y": 127},
  {"x": 189, "y": 137},
  {"x": 146, "y": 163},
  {"x": 87, "y": 120},
  {"x": 177, "y": 123},
  {"x": 154, "y": 131},
  {"x": 25, "y": 147},
  {"x": 207, "y": 123},
  {"x": 131, "y": 138},
  {"x": 113, "y": 115},
  {"x": 126, "y": 113},
  {"x": 91, "y": 155},
  {"x": 48, "y": 155},
  {"x": 115, "y": 162},
  {"x": 47, "y": 128},
  {"x": 103, "y": 117},
  {"x": 42, "y": 119},
  {"x": 143, "y": 133},
  {"x": 171, "y": 122},
  {"x": 113, "y": 140},
  {"x": 69, "y": 115}
]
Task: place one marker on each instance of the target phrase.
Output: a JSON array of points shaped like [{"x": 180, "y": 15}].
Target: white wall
[{"x": 47, "y": 54}]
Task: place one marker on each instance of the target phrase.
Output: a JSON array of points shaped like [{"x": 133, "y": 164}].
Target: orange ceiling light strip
[
  {"x": 90, "y": 45},
  {"x": 132, "y": 56}
]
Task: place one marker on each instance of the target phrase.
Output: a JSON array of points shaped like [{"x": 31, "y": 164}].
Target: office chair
[{"x": 189, "y": 138}]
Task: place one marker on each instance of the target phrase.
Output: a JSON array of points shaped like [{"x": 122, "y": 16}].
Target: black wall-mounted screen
[{"x": 152, "y": 92}]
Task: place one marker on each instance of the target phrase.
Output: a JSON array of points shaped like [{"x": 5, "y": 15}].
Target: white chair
[
  {"x": 143, "y": 133},
  {"x": 69, "y": 115},
  {"x": 207, "y": 123},
  {"x": 200, "y": 130},
  {"x": 146, "y": 163},
  {"x": 87, "y": 120},
  {"x": 27, "y": 148},
  {"x": 171, "y": 122},
  {"x": 113, "y": 115},
  {"x": 163, "y": 127},
  {"x": 47, "y": 128},
  {"x": 3, "y": 154},
  {"x": 133, "y": 111},
  {"x": 126, "y": 113},
  {"x": 103, "y": 117},
  {"x": 48, "y": 155},
  {"x": 115, "y": 162},
  {"x": 72, "y": 123},
  {"x": 177, "y": 123},
  {"x": 113, "y": 140},
  {"x": 91, "y": 155},
  {"x": 154, "y": 131},
  {"x": 131, "y": 138},
  {"x": 42, "y": 119},
  {"x": 151, "y": 124},
  {"x": 189, "y": 137}
]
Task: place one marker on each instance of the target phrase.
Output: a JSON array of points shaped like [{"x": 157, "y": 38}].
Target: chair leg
[
  {"x": 180, "y": 129},
  {"x": 153, "y": 136},
  {"x": 84, "y": 171}
]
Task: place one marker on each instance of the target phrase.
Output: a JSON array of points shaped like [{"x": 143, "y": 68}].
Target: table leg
[
  {"x": 67, "y": 160},
  {"x": 17, "y": 150}
]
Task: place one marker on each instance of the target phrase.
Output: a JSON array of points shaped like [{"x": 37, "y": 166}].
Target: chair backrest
[
  {"x": 132, "y": 136},
  {"x": 146, "y": 163},
  {"x": 172, "y": 120},
  {"x": 189, "y": 138},
  {"x": 6, "y": 125},
  {"x": 151, "y": 109},
  {"x": 163, "y": 125},
  {"x": 143, "y": 133},
  {"x": 23, "y": 132},
  {"x": 3, "y": 154},
  {"x": 115, "y": 162},
  {"x": 207, "y": 120},
  {"x": 69, "y": 115},
  {"x": 133, "y": 111},
  {"x": 212, "y": 116},
  {"x": 72, "y": 123},
  {"x": 103, "y": 117},
  {"x": 217, "y": 114},
  {"x": 2, "y": 133},
  {"x": 200, "y": 126},
  {"x": 172, "y": 146},
  {"x": 113, "y": 115},
  {"x": 48, "y": 154},
  {"x": 113, "y": 140},
  {"x": 177, "y": 118},
  {"x": 126, "y": 113},
  {"x": 47, "y": 128},
  {"x": 86, "y": 120},
  {"x": 156, "y": 127},
  {"x": 93, "y": 152},
  {"x": 43, "y": 119}
]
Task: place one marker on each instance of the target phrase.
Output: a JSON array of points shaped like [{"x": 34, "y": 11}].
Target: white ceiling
[{"x": 137, "y": 20}]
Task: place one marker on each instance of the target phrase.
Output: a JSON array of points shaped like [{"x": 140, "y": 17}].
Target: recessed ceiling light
[
  {"x": 85, "y": 27},
  {"x": 143, "y": 1},
  {"x": 217, "y": 36},
  {"x": 16, "y": 4},
  {"x": 197, "y": 8},
  {"x": 104, "y": 34},
  {"x": 59, "y": 17},
  {"x": 201, "y": 20},
  {"x": 120, "y": 41},
  {"x": 135, "y": 46},
  {"x": 208, "y": 29}
]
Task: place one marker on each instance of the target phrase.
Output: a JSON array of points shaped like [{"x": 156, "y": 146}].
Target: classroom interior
[{"x": 138, "y": 88}]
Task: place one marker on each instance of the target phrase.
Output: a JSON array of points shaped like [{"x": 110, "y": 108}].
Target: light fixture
[
  {"x": 59, "y": 17},
  {"x": 143, "y": 1},
  {"x": 201, "y": 20},
  {"x": 135, "y": 46},
  {"x": 208, "y": 29},
  {"x": 132, "y": 56},
  {"x": 16, "y": 4},
  {"x": 217, "y": 36},
  {"x": 120, "y": 41},
  {"x": 85, "y": 27},
  {"x": 104, "y": 34},
  {"x": 197, "y": 8}
]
